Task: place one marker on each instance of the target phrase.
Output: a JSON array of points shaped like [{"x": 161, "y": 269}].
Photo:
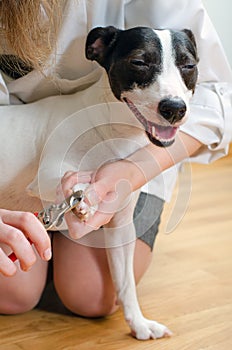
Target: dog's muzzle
[{"x": 162, "y": 135}]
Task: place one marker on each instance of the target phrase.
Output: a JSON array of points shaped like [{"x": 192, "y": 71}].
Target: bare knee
[
  {"x": 91, "y": 308},
  {"x": 83, "y": 283},
  {"x": 88, "y": 302},
  {"x": 19, "y": 303},
  {"x": 22, "y": 292}
]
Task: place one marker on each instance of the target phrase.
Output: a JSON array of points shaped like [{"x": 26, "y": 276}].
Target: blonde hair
[{"x": 29, "y": 29}]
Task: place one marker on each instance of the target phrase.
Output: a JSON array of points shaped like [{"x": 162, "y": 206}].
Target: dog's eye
[
  {"x": 138, "y": 62},
  {"x": 188, "y": 66}
]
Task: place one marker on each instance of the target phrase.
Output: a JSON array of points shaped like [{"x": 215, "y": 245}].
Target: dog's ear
[
  {"x": 191, "y": 36},
  {"x": 99, "y": 43}
]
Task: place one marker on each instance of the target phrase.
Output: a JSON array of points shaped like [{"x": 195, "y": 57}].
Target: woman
[{"x": 33, "y": 67}]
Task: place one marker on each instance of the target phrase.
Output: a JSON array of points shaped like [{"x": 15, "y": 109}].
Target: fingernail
[
  {"x": 25, "y": 268},
  {"x": 47, "y": 254}
]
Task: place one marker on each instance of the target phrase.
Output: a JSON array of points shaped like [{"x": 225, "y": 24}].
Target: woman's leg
[
  {"x": 82, "y": 277},
  {"x": 81, "y": 273},
  {"x": 22, "y": 292}
]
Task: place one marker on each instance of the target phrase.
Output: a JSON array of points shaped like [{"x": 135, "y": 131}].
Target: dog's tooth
[{"x": 153, "y": 131}]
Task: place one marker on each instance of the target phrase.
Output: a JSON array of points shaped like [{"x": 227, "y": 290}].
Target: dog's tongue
[
  {"x": 165, "y": 132},
  {"x": 161, "y": 132}
]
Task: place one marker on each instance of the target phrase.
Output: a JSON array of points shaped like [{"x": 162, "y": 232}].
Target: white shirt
[{"x": 210, "y": 119}]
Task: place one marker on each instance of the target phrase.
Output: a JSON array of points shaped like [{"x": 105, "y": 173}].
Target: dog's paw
[
  {"x": 82, "y": 210},
  {"x": 147, "y": 329}
]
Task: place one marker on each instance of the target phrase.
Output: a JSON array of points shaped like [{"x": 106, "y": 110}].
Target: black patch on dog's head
[{"x": 185, "y": 53}]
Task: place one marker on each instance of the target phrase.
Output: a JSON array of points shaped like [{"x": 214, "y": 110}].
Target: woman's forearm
[{"x": 150, "y": 161}]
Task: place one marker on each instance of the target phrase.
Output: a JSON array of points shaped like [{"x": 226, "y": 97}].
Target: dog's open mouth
[{"x": 160, "y": 135}]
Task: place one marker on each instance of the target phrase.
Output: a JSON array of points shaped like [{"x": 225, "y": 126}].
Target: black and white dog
[{"x": 154, "y": 73}]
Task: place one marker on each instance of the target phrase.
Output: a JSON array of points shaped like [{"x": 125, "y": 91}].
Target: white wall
[{"x": 220, "y": 13}]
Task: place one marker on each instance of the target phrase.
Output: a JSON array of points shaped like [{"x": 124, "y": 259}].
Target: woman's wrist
[
  {"x": 114, "y": 173},
  {"x": 133, "y": 173}
]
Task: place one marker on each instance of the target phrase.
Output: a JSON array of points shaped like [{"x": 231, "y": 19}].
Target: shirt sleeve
[{"x": 210, "y": 119}]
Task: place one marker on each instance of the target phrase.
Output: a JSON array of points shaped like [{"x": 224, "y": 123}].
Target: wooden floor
[{"x": 188, "y": 287}]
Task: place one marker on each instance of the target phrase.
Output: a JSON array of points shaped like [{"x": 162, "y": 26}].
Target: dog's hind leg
[{"x": 120, "y": 242}]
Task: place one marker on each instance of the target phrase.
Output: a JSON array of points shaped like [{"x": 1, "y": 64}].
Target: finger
[
  {"x": 22, "y": 225},
  {"x": 77, "y": 177},
  {"x": 7, "y": 267},
  {"x": 102, "y": 216},
  {"x": 78, "y": 229},
  {"x": 69, "y": 180},
  {"x": 64, "y": 189},
  {"x": 67, "y": 174},
  {"x": 20, "y": 246}
]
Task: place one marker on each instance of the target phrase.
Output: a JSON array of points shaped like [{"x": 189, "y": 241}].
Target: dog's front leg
[{"x": 120, "y": 242}]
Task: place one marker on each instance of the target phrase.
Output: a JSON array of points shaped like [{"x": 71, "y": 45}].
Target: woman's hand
[
  {"x": 15, "y": 228},
  {"x": 108, "y": 189},
  {"x": 112, "y": 183}
]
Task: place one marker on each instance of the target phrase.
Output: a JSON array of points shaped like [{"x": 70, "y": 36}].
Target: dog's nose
[{"x": 172, "y": 109}]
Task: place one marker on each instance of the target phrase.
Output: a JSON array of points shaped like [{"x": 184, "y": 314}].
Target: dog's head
[{"x": 153, "y": 71}]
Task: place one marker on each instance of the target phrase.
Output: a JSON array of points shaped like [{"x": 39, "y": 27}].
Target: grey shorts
[{"x": 147, "y": 217}]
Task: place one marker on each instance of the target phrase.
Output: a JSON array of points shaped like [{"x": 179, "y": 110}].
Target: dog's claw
[
  {"x": 168, "y": 333},
  {"x": 150, "y": 330}
]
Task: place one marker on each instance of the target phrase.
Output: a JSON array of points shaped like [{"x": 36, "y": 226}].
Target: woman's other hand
[{"x": 15, "y": 229}]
